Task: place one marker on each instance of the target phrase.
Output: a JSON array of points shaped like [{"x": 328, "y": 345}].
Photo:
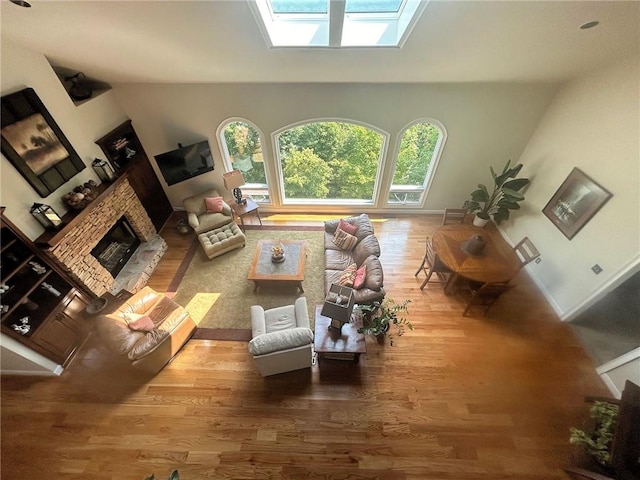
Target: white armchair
[
  {"x": 202, "y": 221},
  {"x": 281, "y": 338}
]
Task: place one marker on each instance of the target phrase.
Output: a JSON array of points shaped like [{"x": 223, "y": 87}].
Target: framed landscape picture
[
  {"x": 575, "y": 202},
  {"x": 34, "y": 144}
]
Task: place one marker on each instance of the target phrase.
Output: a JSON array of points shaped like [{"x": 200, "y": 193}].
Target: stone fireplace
[{"x": 71, "y": 248}]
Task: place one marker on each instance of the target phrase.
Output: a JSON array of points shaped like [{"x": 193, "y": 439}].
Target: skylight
[{"x": 336, "y": 23}]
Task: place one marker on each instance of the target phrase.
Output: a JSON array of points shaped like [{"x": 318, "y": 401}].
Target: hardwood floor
[{"x": 457, "y": 398}]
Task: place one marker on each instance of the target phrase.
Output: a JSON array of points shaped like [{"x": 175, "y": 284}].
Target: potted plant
[
  {"x": 504, "y": 197},
  {"x": 380, "y": 318},
  {"x": 597, "y": 442},
  {"x": 172, "y": 476}
]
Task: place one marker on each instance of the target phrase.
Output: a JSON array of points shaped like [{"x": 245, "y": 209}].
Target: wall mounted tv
[{"x": 185, "y": 162}]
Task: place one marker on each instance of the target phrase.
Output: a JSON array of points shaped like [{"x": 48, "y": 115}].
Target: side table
[
  {"x": 241, "y": 211},
  {"x": 346, "y": 344}
]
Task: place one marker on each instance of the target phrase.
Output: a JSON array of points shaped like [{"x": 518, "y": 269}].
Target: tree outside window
[
  {"x": 245, "y": 154},
  {"x": 330, "y": 160},
  {"x": 413, "y": 166}
]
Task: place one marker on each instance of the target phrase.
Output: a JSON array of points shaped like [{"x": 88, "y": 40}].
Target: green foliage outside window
[
  {"x": 245, "y": 150},
  {"x": 416, "y": 151},
  {"x": 344, "y": 162}
]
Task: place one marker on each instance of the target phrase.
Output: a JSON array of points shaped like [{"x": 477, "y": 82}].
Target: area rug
[{"x": 218, "y": 295}]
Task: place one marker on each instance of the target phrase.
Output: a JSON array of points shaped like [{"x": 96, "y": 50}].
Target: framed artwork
[
  {"x": 34, "y": 144},
  {"x": 575, "y": 202}
]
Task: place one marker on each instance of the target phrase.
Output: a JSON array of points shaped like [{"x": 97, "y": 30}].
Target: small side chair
[
  {"x": 526, "y": 251},
  {"x": 484, "y": 294},
  {"x": 432, "y": 264},
  {"x": 453, "y": 215}
]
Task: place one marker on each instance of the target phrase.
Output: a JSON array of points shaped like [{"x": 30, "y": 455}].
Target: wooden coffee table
[
  {"x": 347, "y": 344},
  {"x": 291, "y": 271}
]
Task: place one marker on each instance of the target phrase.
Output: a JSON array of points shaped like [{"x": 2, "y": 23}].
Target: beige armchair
[
  {"x": 148, "y": 328},
  {"x": 202, "y": 221},
  {"x": 282, "y": 340}
]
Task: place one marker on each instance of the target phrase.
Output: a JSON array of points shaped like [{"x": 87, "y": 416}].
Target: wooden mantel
[{"x": 50, "y": 238}]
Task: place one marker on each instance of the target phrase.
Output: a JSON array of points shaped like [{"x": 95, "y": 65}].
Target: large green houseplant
[
  {"x": 385, "y": 319},
  {"x": 504, "y": 197}
]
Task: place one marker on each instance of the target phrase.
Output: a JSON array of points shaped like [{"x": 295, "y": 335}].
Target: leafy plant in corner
[
  {"x": 504, "y": 197},
  {"x": 173, "y": 476},
  {"x": 597, "y": 443},
  {"x": 381, "y": 317}
]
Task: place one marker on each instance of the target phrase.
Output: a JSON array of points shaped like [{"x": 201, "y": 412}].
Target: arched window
[
  {"x": 418, "y": 154},
  {"x": 329, "y": 161},
  {"x": 242, "y": 149}
]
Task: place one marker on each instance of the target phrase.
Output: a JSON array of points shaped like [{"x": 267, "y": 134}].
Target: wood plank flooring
[{"x": 458, "y": 398}]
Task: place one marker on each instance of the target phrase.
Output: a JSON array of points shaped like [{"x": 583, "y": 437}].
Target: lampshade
[
  {"x": 338, "y": 305},
  {"x": 233, "y": 179}
]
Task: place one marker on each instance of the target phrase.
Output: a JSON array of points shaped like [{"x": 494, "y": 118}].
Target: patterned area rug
[{"x": 218, "y": 295}]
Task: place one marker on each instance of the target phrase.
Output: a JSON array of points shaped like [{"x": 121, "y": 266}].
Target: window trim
[
  {"x": 433, "y": 165},
  {"x": 338, "y": 202},
  {"x": 333, "y": 24},
  {"x": 226, "y": 160}
]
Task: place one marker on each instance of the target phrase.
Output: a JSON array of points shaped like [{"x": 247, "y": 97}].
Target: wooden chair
[
  {"x": 485, "y": 294},
  {"x": 432, "y": 264},
  {"x": 526, "y": 251},
  {"x": 453, "y": 215}
]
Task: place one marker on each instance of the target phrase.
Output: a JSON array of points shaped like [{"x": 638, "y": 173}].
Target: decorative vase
[{"x": 480, "y": 222}]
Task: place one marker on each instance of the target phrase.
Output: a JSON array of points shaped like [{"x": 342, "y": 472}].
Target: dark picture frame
[
  {"x": 575, "y": 202},
  {"x": 34, "y": 144}
]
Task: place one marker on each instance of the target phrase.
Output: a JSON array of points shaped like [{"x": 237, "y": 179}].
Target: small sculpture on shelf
[
  {"x": 23, "y": 327},
  {"x": 81, "y": 196}
]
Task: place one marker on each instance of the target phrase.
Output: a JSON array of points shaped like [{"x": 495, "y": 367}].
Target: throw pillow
[
  {"x": 141, "y": 323},
  {"x": 347, "y": 227},
  {"x": 348, "y": 276},
  {"x": 344, "y": 240},
  {"x": 214, "y": 204},
  {"x": 361, "y": 275}
]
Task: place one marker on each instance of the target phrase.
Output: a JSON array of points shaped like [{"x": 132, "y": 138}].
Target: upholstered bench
[{"x": 222, "y": 240}]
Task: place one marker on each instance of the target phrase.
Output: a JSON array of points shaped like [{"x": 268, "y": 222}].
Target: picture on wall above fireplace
[{"x": 34, "y": 144}]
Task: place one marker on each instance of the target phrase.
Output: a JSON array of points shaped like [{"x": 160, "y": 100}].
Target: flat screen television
[{"x": 185, "y": 162}]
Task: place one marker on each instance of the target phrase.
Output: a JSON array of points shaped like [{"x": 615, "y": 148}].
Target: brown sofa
[
  {"x": 365, "y": 252},
  {"x": 147, "y": 350}
]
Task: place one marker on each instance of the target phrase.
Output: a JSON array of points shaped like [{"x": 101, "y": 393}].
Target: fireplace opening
[{"x": 116, "y": 247}]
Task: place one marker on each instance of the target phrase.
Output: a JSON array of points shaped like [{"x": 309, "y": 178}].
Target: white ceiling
[{"x": 219, "y": 41}]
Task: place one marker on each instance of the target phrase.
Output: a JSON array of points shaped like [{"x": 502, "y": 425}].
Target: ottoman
[{"x": 222, "y": 240}]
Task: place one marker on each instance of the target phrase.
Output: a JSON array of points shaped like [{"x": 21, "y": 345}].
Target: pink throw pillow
[
  {"x": 214, "y": 204},
  {"x": 361, "y": 275},
  {"x": 144, "y": 324},
  {"x": 347, "y": 227}
]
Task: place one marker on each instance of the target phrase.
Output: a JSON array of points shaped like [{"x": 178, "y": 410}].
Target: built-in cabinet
[
  {"x": 123, "y": 149},
  {"x": 40, "y": 307}
]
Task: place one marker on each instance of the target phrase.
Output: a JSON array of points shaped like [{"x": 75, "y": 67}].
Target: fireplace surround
[{"x": 71, "y": 247}]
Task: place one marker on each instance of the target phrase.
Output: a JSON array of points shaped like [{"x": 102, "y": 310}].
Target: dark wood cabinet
[
  {"x": 123, "y": 149},
  {"x": 41, "y": 308}
]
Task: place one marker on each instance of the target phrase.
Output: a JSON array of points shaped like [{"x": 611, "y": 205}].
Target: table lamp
[
  {"x": 234, "y": 180},
  {"x": 338, "y": 306}
]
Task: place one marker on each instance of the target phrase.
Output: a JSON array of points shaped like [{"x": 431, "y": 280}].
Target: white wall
[
  {"x": 593, "y": 124},
  {"x": 82, "y": 125},
  {"x": 22, "y": 68},
  {"x": 486, "y": 123}
]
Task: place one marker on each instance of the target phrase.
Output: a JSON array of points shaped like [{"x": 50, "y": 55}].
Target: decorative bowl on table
[{"x": 277, "y": 253}]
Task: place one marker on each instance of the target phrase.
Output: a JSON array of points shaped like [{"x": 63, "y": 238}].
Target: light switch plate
[{"x": 596, "y": 269}]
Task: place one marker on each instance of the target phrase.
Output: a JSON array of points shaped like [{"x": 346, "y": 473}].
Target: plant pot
[
  {"x": 380, "y": 338},
  {"x": 480, "y": 222}
]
